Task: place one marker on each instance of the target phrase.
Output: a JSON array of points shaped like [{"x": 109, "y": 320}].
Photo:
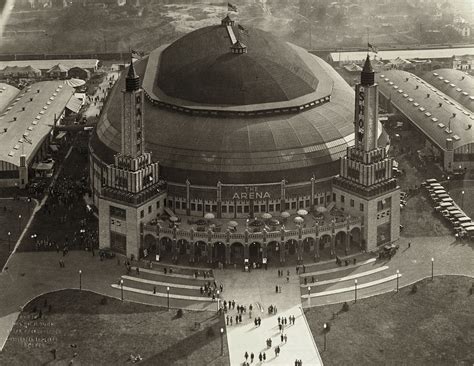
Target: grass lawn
[
  {"x": 430, "y": 327},
  {"x": 109, "y": 334}
]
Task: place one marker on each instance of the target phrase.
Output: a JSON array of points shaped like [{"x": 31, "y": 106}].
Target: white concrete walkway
[
  {"x": 159, "y": 294},
  {"x": 352, "y": 288},
  {"x": 338, "y": 269},
  {"x": 346, "y": 278},
  {"x": 251, "y": 339},
  {"x": 159, "y": 283}
]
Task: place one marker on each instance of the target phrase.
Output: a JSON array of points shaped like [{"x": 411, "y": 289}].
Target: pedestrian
[
  {"x": 154, "y": 289},
  {"x": 260, "y": 357},
  {"x": 279, "y": 327},
  {"x": 281, "y": 337},
  {"x": 297, "y": 270},
  {"x": 231, "y": 321},
  {"x": 252, "y": 357},
  {"x": 138, "y": 271},
  {"x": 285, "y": 338},
  {"x": 355, "y": 261},
  {"x": 255, "y": 321},
  {"x": 276, "y": 288},
  {"x": 279, "y": 320},
  {"x": 246, "y": 355},
  {"x": 304, "y": 269},
  {"x": 240, "y": 318},
  {"x": 287, "y": 279},
  {"x": 264, "y": 356},
  {"x": 312, "y": 279},
  {"x": 305, "y": 281},
  {"x": 409, "y": 244}
]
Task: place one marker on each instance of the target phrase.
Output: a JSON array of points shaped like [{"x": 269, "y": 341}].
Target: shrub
[
  {"x": 345, "y": 307},
  {"x": 414, "y": 289},
  {"x": 210, "y": 332},
  {"x": 179, "y": 313},
  {"x": 103, "y": 301}
]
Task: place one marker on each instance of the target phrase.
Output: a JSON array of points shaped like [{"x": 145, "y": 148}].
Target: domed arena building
[{"x": 237, "y": 122}]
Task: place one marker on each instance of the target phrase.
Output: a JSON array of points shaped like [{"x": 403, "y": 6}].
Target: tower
[
  {"x": 132, "y": 193},
  {"x": 365, "y": 186}
]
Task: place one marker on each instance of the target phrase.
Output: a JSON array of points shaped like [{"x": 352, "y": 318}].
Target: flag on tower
[
  {"x": 372, "y": 47},
  {"x": 231, "y": 7},
  {"x": 137, "y": 54}
]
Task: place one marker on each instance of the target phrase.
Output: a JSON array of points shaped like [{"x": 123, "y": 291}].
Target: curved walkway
[{"x": 33, "y": 273}]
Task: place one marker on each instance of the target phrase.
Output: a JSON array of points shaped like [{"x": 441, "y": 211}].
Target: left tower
[{"x": 132, "y": 193}]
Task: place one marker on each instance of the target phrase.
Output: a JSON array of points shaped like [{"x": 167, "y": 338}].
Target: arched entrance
[
  {"x": 165, "y": 245},
  {"x": 340, "y": 239},
  {"x": 255, "y": 252},
  {"x": 199, "y": 249},
  {"x": 237, "y": 253},
  {"x": 149, "y": 243},
  {"x": 218, "y": 252},
  {"x": 182, "y": 246},
  {"x": 291, "y": 246},
  {"x": 308, "y": 243},
  {"x": 273, "y": 250}
]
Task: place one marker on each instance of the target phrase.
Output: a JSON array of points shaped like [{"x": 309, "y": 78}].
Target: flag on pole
[
  {"x": 231, "y": 7},
  {"x": 137, "y": 54},
  {"x": 372, "y": 47},
  {"x": 243, "y": 30}
]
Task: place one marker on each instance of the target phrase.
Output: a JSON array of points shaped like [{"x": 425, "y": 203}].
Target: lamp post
[
  {"x": 398, "y": 275},
  {"x": 325, "y": 331},
  {"x": 80, "y": 280},
  {"x": 355, "y": 290},
  {"x": 309, "y": 296},
  {"x": 121, "y": 289},
  {"x": 222, "y": 341},
  {"x": 448, "y": 182},
  {"x": 19, "y": 224},
  {"x": 462, "y": 200},
  {"x": 432, "y": 269},
  {"x": 168, "y": 292},
  {"x": 9, "y": 241},
  {"x": 29, "y": 206}
]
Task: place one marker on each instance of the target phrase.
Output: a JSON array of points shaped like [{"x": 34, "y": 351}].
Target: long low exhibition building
[
  {"x": 454, "y": 83},
  {"x": 446, "y": 124},
  {"x": 26, "y": 124}
]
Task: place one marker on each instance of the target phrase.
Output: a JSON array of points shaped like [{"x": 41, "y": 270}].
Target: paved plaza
[{"x": 247, "y": 337}]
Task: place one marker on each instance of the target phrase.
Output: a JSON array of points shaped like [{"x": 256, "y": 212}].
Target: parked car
[{"x": 106, "y": 253}]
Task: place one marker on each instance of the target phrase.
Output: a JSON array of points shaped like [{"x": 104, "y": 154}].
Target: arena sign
[{"x": 254, "y": 192}]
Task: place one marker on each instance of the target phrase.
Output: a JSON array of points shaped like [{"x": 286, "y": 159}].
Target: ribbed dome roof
[{"x": 200, "y": 67}]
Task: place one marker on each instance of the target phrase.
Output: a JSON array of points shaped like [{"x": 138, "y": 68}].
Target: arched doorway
[
  {"x": 149, "y": 244},
  {"x": 237, "y": 253},
  {"x": 199, "y": 249},
  {"x": 273, "y": 250},
  {"x": 308, "y": 243},
  {"x": 182, "y": 246},
  {"x": 218, "y": 252},
  {"x": 325, "y": 242},
  {"x": 255, "y": 252},
  {"x": 291, "y": 246},
  {"x": 340, "y": 243},
  {"x": 166, "y": 245}
]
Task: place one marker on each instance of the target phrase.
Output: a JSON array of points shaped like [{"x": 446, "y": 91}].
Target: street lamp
[
  {"x": 168, "y": 292},
  {"x": 432, "y": 268},
  {"x": 448, "y": 182},
  {"x": 29, "y": 206},
  {"x": 217, "y": 297},
  {"x": 9, "y": 241},
  {"x": 355, "y": 290},
  {"x": 19, "y": 224},
  {"x": 80, "y": 279},
  {"x": 222, "y": 341},
  {"x": 309, "y": 295},
  {"x": 462, "y": 200},
  {"x": 325, "y": 331},
  {"x": 121, "y": 288},
  {"x": 398, "y": 275}
]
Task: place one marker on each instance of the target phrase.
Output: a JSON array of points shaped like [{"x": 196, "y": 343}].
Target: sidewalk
[{"x": 249, "y": 338}]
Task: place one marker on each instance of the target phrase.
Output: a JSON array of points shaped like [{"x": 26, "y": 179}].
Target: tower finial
[
  {"x": 132, "y": 81},
  {"x": 367, "y": 76}
]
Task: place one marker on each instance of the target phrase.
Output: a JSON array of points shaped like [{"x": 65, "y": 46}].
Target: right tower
[{"x": 365, "y": 186}]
